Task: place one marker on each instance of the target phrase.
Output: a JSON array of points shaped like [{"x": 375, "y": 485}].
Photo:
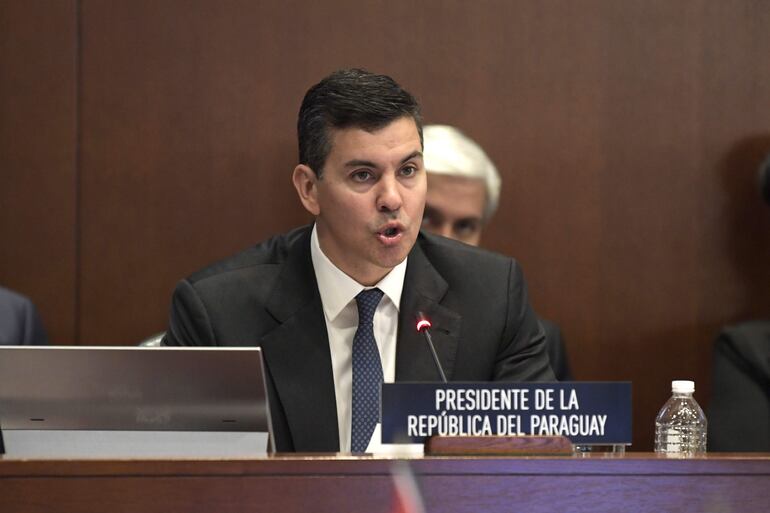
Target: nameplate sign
[{"x": 584, "y": 412}]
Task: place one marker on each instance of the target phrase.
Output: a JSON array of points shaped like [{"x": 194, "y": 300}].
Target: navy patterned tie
[{"x": 367, "y": 372}]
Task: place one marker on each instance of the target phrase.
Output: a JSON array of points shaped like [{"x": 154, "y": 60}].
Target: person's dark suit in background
[
  {"x": 739, "y": 410},
  {"x": 361, "y": 175},
  {"x": 463, "y": 194},
  {"x": 20, "y": 323}
]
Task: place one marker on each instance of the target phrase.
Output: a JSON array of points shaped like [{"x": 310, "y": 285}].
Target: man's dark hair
[{"x": 349, "y": 98}]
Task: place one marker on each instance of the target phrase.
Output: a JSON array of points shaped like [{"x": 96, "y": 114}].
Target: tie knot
[{"x": 367, "y": 301}]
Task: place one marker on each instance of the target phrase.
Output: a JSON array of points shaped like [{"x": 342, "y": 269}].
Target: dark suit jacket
[
  {"x": 557, "y": 352},
  {"x": 19, "y": 322},
  {"x": 739, "y": 410},
  {"x": 267, "y": 296}
]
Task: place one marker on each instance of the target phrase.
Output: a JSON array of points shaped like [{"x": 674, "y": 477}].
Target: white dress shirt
[{"x": 338, "y": 297}]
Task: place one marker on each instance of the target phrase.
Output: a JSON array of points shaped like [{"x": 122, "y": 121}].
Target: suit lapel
[
  {"x": 424, "y": 289},
  {"x": 298, "y": 356}
]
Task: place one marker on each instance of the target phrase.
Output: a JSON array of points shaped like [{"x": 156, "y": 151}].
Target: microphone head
[
  {"x": 422, "y": 322},
  {"x": 764, "y": 180}
]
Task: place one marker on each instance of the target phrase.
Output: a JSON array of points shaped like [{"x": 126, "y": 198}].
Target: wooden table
[{"x": 634, "y": 482}]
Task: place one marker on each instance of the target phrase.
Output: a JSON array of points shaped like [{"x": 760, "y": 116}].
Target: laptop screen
[{"x": 133, "y": 389}]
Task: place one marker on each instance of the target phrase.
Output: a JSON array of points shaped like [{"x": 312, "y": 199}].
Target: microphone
[
  {"x": 423, "y": 326},
  {"x": 764, "y": 180}
]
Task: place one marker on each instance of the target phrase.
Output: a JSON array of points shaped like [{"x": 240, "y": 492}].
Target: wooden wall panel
[
  {"x": 37, "y": 158},
  {"x": 628, "y": 135},
  {"x": 188, "y": 145}
]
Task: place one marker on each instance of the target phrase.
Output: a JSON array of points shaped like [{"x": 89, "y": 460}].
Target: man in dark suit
[
  {"x": 20, "y": 323},
  {"x": 303, "y": 296}
]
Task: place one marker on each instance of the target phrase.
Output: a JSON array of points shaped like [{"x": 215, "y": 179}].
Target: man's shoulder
[
  {"x": 448, "y": 254},
  {"x": 749, "y": 341},
  {"x": 263, "y": 257},
  {"x": 13, "y": 301},
  {"x": 470, "y": 272}
]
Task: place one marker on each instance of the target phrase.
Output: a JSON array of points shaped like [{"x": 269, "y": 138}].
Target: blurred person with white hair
[
  {"x": 463, "y": 185},
  {"x": 463, "y": 195}
]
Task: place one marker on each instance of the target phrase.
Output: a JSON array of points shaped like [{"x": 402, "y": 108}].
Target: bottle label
[{"x": 687, "y": 440}]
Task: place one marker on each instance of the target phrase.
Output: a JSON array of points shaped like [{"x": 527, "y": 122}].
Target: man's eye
[
  {"x": 362, "y": 176},
  {"x": 467, "y": 226},
  {"x": 408, "y": 171}
]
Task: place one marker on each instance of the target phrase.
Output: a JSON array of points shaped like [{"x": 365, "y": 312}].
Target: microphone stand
[{"x": 423, "y": 325}]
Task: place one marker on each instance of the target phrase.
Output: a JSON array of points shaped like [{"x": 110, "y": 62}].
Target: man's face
[
  {"x": 369, "y": 200},
  {"x": 454, "y": 207}
]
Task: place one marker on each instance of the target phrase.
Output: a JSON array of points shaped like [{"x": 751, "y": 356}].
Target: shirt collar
[{"x": 337, "y": 289}]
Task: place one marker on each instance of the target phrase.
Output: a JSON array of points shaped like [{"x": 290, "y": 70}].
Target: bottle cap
[{"x": 683, "y": 387}]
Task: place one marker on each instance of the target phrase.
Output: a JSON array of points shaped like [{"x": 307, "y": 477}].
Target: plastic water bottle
[{"x": 680, "y": 427}]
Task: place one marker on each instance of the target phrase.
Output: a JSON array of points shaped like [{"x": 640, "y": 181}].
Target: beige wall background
[{"x": 141, "y": 140}]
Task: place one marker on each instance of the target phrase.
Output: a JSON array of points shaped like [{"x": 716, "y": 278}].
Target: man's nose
[{"x": 389, "y": 194}]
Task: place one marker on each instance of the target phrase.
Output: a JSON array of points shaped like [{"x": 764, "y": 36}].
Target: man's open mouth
[{"x": 391, "y": 232}]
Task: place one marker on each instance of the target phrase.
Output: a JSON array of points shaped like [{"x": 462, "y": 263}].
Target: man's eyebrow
[
  {"x": 360, "y": 163},
  {"x": 469, "y": 219},
  {"x": 434, "y": 212},
  {"x": 412, "y": 155},
  {"x": 369, "y": 163}
]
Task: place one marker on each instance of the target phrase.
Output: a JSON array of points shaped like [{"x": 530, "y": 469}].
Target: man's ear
[{"x": 306, "y": 183}]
